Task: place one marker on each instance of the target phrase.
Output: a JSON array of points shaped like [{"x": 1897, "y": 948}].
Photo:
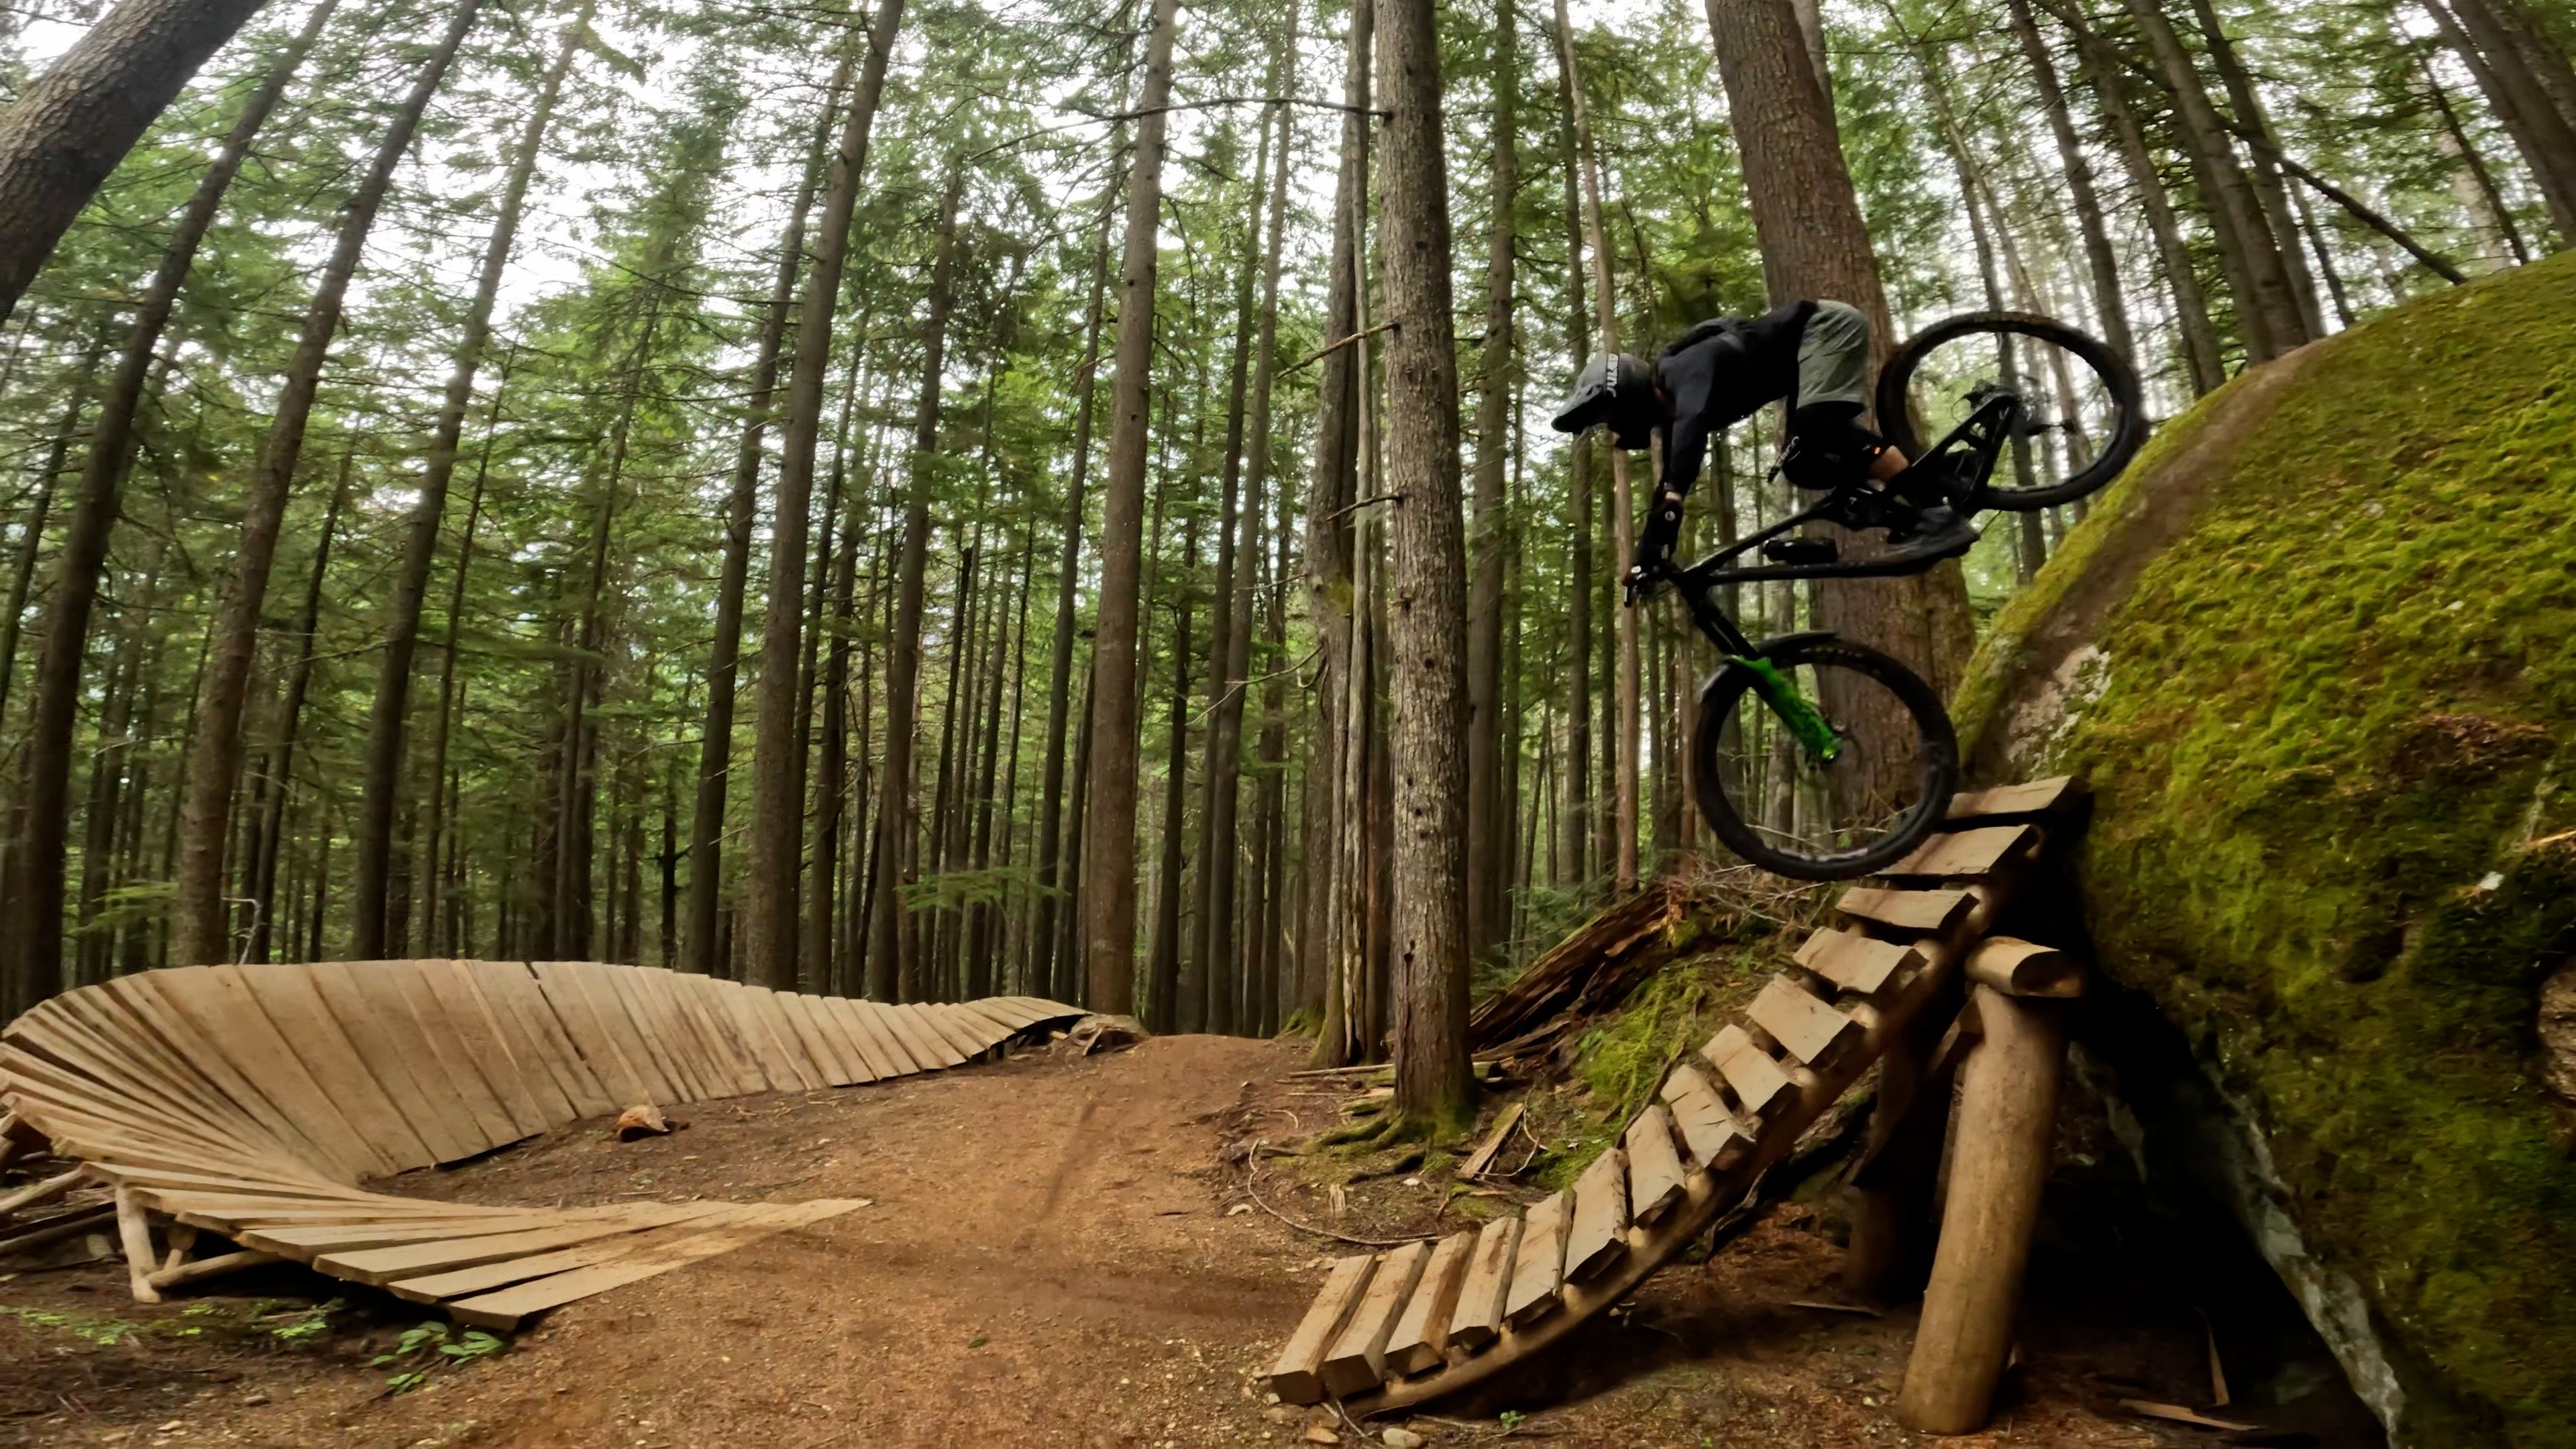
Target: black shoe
[{"x": 1937, "y": 532}]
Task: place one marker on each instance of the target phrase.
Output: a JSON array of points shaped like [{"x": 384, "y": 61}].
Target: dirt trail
[{"x": 1055, "y": 1254}]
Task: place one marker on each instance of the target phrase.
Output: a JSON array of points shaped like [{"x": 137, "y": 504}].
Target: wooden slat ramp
[
  {"x": 1394, "y": 1329},
  {"x": 249, "y": 1102}
]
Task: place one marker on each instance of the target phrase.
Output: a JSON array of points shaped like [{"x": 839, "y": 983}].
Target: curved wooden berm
[
  {"x": 1396, "y": 1329},
  {"x": 248, "y": 1101}
]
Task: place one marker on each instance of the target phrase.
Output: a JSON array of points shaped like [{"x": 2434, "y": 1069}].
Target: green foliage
[
  {"x": 423, "y": 1349},
  {"x": 2328, "y": 734}
]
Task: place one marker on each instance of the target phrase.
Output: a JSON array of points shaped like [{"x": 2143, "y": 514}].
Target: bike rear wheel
[
  {"x": 1847, "y": 794},
  {"x": 2084, "y": 413}
]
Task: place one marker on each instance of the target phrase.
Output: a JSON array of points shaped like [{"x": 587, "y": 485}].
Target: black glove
[{"x": 1655, "y": 543}]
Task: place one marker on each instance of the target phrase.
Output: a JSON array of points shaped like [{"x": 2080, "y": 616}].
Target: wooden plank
[
  {"x": 449, "y": 1058},
  {"x": 705, "y": 999},
  {"x": 96, "y": 1017},
  {"x": 1654, "y": 1165},
  {"x": 1810, "y": 1030},
  {"x": 141, "y": 995},
  {"x": 53, "y": 1050},
  {"x": 925, "y": 1044},
  {"x": 1298, "y": 1375},
  {"x": 513, "y": 984},
  {"x": 591, "y": 1035},
  {"x": 1538, "y": 1270},
  {"x": 2019, "y": 968},
  {"x": 735, "y": 1000},
  {"x": 1478, "y": 1318},
  {"x": 948, "y": 1020},
  {"x": 1857, "y": 963},
  {"x": 376, "y": 1266},
  {"x": 1357, "y": 1359},
  {"x": 1966, "y": 853},
  {"x": 880, "y": 1026},
  {"x": 304, "y": 1241},
  {"x": 1708, "y": 1130},
  {"x": 1598, "y": 1234},
  {"x": 822, "y": 1047},
  {"x": 1757, "y": 1080},
  {"x": 990, "y": 1024},
  {"x": 804, "y": 1074},
  {"x": 853, "y": 1023},
  {"x": 650, "y": 1000},
  {"x": 385, "y": 1034},
  {"x": 484, "y": 1277},
  {"x": 1929, "y": 912},
  {"x": 1421, "y": 1337},
  {"x": 2032, "y": 798},
  {"x": 478, "y": 1045},
  {"x": 530, "y": 1070},
  {"x": 218, "y": 1000},
  {"x": 504, "y": 1309},
  {"x": 610, "y": 996}
]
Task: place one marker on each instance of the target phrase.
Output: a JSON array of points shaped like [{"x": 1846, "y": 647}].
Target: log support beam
[{"x": 1998, "y": 1168}]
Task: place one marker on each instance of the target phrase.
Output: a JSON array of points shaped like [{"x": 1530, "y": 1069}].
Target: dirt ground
[{"x": 1057, "y": 1250}]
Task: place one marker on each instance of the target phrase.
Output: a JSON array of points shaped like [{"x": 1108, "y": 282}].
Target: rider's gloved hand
[{"x": 1655, "y": 543}]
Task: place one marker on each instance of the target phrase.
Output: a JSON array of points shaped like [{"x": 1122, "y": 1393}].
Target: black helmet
[{"x": 1617, "y": 391}]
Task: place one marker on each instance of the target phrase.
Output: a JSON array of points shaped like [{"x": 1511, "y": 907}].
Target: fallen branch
[
  {"x": 45, "y": 1191},
  {"x": 1255, "y": 1198}
]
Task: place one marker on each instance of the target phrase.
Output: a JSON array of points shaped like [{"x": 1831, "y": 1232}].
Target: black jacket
[{"x": 1718, "y": 373}]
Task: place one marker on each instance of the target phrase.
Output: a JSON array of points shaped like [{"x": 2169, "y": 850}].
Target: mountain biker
[{"x": 1814, "y": 354}]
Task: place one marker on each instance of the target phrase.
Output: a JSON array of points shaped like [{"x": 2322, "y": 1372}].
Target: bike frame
[{"x": 1978, "y": 439}]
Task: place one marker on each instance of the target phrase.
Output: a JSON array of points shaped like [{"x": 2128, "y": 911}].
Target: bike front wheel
[
  {"x": 2083, "y": 413},
  {"x": 1822, "y": 759}
]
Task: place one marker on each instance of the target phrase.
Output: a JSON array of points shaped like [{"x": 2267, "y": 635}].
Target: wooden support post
[
  {"x": 182, "y": 1240},
  {"x": 1890, "y": 1206},
  {"x": 215, "y": 1267},
  {"x": 1998, "y": 1167},
  {"x": 135, "y": 1231}
]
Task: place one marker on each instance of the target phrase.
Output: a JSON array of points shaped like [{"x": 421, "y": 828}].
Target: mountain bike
[{"x": 1821, "y": 758}]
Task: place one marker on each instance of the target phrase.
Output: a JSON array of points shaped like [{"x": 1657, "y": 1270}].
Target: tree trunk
[
  {"x": 1109, "y": 892},
  {"x": 1427, "y": 626},
  {"x": 724, "y": 664},
  {"x": 2256, "y": 127},
  {"x": 197, "y": 922},
  {"x": 2499, "y": 215},
  {"x": 2545, "y": 135},
  {"x": 22, "y": 571},
  {"x": 893, "y": 968},
  {"x": 1488, "y": 842},
  {"x": 1172, "y": 1004},
  {"x": 290, "y": 719},
  {"x": 385, "y": 719},
  {"x": 2103, "y": 74},
  {"x": 1577, "y": 820},
  {"x": 2108, "y": 302},
  {"x": 65, "y": 132},
  {"x": 442, "y": 730},
  {"x": 1625, "y": 682},
  {"x": 777, "y": 799},
  {"x": 1814, "y": 245}
]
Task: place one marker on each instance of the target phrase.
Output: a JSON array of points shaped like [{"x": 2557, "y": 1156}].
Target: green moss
[{"x": 2332, "y": 718}]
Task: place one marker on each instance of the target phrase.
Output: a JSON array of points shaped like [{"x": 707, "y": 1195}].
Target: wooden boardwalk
[
  {"x": 249, "y": 1101},
  {"x": 1394, "y": 1329}
]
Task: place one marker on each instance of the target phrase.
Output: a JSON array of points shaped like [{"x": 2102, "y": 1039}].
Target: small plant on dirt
[
  {"x": 306, "y": 1324},
  {"x": 433, "y": 1338},
  {"x": 105, "y": 1332}
]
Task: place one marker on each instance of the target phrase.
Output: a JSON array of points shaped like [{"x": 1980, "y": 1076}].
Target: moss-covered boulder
[{"x": 2316, "y": 654}]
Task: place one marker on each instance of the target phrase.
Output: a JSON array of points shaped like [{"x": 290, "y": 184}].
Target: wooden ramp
[
  {"x": 1395, "y": 1329},
  {"x": 248, "y": 1102}
]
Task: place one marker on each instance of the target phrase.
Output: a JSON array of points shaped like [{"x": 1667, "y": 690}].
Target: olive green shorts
[{"x": 1833, "y": 358}]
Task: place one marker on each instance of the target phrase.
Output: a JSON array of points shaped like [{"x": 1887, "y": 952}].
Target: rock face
[{"x": 2316, "y": 654}]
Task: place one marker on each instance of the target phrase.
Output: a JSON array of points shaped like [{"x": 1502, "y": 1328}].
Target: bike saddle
[{"x": 1802, "y": 551}]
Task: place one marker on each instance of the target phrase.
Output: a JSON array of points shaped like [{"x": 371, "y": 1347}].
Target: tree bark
[
  {"x": 1814, "y": 245},
  {"x": 724, "y": 664},
  {"x": 2256, "y": 127},
  {"x": 68, "y": 130},
  {"x": 769, "y": 917},
  {"x": 1427, "y": 625},
  {"x": 290, "y": 719},
  {"x": 1605, "y": 302},
  {"x": 1109, "y": 890},
  {"x": 22, "y": 570},
  {"x": 386, "y": 717},
  {"x": 442, "y": 730},
  {"x": 2108, "y": 302},
  {"x": 1577, "y": 819},
  {"x": 2539, "y": 132},
  {"x": 197, "y": 921},
  {"x": 893, "y": 950},
  {"x": 1488, "y": 843}
]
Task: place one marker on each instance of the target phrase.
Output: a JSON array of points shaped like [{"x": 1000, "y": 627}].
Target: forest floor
[{"x": 1057, "y": 1250}]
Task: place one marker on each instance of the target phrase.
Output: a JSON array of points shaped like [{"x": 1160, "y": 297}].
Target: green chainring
[{"x": 1807, "y": 724}]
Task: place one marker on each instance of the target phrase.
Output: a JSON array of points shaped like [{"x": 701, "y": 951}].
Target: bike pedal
[{"x": 1802, "y": 551}]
